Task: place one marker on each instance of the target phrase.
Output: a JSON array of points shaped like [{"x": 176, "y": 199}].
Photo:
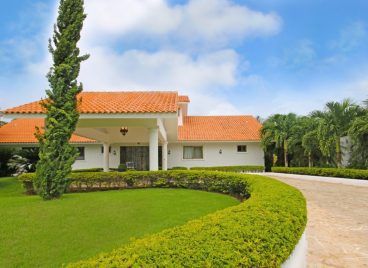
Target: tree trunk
[
  {"x": 286, "y": 154},
  {"x": 310, "y": 160},
  {"x": 338, "y": 153}
]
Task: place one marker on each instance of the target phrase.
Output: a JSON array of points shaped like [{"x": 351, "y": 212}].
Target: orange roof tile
[
  {"x": 184, "y": 99},
  {"x": 219, "y": 128},
  {"x": 22, "y": 131},
  {"x": 114, "y": 102}
]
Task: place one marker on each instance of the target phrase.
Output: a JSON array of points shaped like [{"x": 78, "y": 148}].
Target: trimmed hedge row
[
  {"x": 97, "y": 181},
  {"x": 88, "y": 170},
  {"x": 232, "y": 168},
  {"x": 259, "y": 232},
  {"x": 361, "y": 174}
]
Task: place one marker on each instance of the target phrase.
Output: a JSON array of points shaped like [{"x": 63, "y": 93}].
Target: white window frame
[
  {"x": 81, "y": 158},
  {"x": 241, "y": 152},
  {"x": 193, "y": 159}
]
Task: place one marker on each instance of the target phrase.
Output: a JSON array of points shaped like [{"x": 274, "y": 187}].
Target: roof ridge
[{"x": 133, "y": 91}]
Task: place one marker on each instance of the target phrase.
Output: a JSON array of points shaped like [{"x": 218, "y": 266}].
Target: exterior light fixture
[
  {"x": 169, "y": 152},
  {"x": 220, "y": 152},
  {"x": 124, "y": 130}
]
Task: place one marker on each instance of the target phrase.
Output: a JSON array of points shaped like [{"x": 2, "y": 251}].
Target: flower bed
[
  {"x": 262, "y": 231},
  {"x": 361, "y": 174}
]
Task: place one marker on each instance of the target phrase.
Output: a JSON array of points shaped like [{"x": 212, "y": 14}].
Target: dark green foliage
[
  {"x": 260, "y": 232},
  {"x": 56, "y": 154},
  {"x": 24, "y": 160},
  {"x": 122, "y": 168},
  {"x": 359, "y": 138},
  {"x": 88, "y": 170},
  {"x": 5, "y": 155},
  {"x": 179, "y": 168},
  {"x": 315, "y": 140},
  {"x": 232, "y": 168},
  {"x": 360, "y": 174}
]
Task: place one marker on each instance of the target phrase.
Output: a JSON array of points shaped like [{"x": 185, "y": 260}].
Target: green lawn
[{"x": 35, "y": 233}]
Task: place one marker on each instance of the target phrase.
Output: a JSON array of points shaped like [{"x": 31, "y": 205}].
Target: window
[
  {"x": 81, "y": 153},
  {"x": 242, "y": 148},
  {"x": 193, "y": 152}
]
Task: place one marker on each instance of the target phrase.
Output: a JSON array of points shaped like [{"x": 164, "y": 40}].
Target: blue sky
[{"x": 231, "y": 57}]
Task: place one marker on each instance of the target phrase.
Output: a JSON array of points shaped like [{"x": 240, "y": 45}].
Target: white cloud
[
  {"x": 198, "y": 20},
  {"x": 206, "y": 75},
  {"x": 351, "y": 37},
  {"x": 203, "y": 78}
]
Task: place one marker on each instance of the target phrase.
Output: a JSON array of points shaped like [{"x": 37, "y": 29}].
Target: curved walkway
[{"x": 337, "y": 229}]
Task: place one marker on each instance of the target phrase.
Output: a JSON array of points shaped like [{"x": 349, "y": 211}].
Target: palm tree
[
  {"x": 359, "y": 134},
  {"x": 334, "y": 124},
  {"x": 278, "y": 129},
  {"x": 309, "y": 140}
]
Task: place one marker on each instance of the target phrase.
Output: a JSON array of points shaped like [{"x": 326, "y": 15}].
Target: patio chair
[{"x": 130, "y": 165}]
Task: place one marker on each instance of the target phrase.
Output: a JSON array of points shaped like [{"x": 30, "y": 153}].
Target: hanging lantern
[{"x": 124, "y": 130}]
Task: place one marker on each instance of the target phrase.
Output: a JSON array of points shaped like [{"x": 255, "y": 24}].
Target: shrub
[
  {"x": 88, "y": 170},
  {"x": 122, "y": 167},
  {"x": 232, "y": 168},
  {"x": 260, "y": 232},
  {"x": 179, "y": 168},
  {"x": 361, "y": 174}
]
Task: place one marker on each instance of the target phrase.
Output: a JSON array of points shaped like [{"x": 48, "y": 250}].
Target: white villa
[{"x": 149, "y": 130}]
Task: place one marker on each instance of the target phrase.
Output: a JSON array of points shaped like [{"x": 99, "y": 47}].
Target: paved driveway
[{"x": 337, "y": 229}]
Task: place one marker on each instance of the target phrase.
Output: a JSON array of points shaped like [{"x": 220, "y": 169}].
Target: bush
[
  {"x": 260, "y": 232},
  {"x": 361, "y": 174},
  {"x": 88, "y": 170},
  {"x": 5, "y": 156},
  {"x": 232, "y": 168},
  {"x": 179, "y": 168},
  {"x": 122, "y": 167}
]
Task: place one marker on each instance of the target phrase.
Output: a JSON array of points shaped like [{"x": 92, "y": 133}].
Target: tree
[
  {"x": 334, "y": 124},
  {"x": 309, "y": 139},
  {"x": 56, "y": 154},
  {"x": 279, "y": 129},
  {"x": 359, "y": 135}
]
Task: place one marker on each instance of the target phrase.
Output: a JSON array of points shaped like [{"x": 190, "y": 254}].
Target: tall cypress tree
[{"x": 56, "y": 154}]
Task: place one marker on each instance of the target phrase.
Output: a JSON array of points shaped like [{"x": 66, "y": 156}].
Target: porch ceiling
[{"x": 108, "y": 130}]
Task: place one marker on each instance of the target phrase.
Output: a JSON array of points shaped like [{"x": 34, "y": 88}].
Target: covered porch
[{"x": 136, "y": 141}]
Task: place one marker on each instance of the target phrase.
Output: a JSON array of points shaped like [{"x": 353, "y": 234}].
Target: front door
[{"x": 139, "y": 155}]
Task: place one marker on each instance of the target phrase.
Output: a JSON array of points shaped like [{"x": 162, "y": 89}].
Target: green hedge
[
  {"x": 88, "y": 170},
  {"x": 232, "y": 168},
  {"x": 361, "y": 174},
  {"x": 179, "y": 168},
  {"x": 259, "y": 232}
]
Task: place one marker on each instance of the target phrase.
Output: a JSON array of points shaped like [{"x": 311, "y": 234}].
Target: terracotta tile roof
[
  {"x": 219, "y": 128},
  {"x": 184, "y": 99},
  {"x": 114, "y": 102},
  {"x": 22, "y": 131}
]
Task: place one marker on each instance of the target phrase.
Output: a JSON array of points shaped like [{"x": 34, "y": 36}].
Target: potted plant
[{"x": 122, "y": 168}]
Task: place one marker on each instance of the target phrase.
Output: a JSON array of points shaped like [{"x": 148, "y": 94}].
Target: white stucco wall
[
  {"x": 212, "y": 157},
  {"x": 93, "y": 156}
]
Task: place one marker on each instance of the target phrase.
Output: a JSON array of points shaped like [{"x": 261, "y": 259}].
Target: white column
[
  {"x": 106, "y": 157},
  {"x": 164, "y": 155},
  {"x": 153, "y": 148}
]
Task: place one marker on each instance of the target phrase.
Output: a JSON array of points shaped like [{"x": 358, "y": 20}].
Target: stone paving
[{"x": 337, "y": 229}]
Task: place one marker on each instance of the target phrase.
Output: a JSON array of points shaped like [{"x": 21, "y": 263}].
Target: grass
[{"x": 35, "y": 233}]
